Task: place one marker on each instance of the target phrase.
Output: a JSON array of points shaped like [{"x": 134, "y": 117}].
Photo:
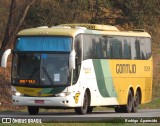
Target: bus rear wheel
[
  {"x": 90, "y": 109},
  {"x": 128, "y": 108},
  {"x": 118, "y": 109},
  {"x": 136, "y": 102},
  {"x": 33, "y": 110},
  {"x": 83, "y": 109}
]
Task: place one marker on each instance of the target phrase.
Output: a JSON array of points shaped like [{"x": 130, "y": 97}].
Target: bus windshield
[{"x": 40, "y": 69}]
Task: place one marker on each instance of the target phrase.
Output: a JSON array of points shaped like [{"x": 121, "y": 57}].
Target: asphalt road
[{"x": 151, "y": 115}]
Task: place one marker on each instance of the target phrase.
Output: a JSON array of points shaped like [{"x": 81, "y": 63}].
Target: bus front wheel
[
  {"x": 33, "y": 110},
  {"x": 83, "y": 109}
]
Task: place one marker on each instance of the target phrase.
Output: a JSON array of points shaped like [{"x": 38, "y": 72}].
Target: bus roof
[
  {"x": 43, "y": 31},
  {"x": 74, "y": 29}
]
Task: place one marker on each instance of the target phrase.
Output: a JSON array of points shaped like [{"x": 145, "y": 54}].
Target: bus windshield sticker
[
  {"x": 56, "y": 77},
  {"x": 44, "y": 56}
]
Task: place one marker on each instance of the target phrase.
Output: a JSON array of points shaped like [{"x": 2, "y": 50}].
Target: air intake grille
[{"x": 93, "y": 26}]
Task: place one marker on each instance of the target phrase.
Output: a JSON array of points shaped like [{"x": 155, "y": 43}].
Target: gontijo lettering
[{"x": 125, "y": 68}]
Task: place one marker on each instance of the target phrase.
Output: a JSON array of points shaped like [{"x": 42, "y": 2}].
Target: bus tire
[
  {"x": 136, "y": 101},
  {"x": 118, "y": 109},
  {"x": 90, "y": 109},
  {"x": 33, "y": 110},
  {"x": 83, "y": 109},
  {"x": 128, "y": 108}
]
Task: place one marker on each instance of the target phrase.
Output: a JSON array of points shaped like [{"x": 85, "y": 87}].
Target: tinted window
[
  {"x": 137, "y": 48},
  {"x": 148, "y": 47},
  {"x": 93, "y": 47},
  {"x": 142, "y": 49},
  {"x": 126, "y": 48},
  {"x": 116, "y": 47},
  {"x": 89, "y": 46},
  {"x": 44, "y": 43},
  {"x": 78, "y": 47}
]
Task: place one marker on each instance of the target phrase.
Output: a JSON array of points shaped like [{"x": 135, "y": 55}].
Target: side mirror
[
  {"x": 5, "y": 57},
  {"x": 72, "y": 58}
]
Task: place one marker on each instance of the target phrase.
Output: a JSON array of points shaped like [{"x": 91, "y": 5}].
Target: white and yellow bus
[{"x": 81, "y": 66}]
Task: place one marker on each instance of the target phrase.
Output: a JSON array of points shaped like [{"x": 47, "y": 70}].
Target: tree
[
  {"x": 139, "y": 12},
  {"x": 17, "y": 12},
  {"x": 53, "y": 12}
]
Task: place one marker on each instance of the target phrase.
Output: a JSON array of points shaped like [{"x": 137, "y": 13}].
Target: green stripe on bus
[
  {"x": 100, "y": 78},
  {"x": 104, "y": 78},
  {"x": 108, "y": 78},
  {"x": 55, "y": 90}
]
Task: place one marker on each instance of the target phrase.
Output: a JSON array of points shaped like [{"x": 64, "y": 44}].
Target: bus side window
[
  {"x": 78, "y": 48},
  {"x": 137, "y": 47},
  {"x": 142, "y": 49},
  {"x": 102, "y": 47},
  {"x": 99, "y": 47},
  {"x": 126, "y": 48},
  {"x": 108, "y": 49},
  {"x": 116, "y": 48},
  {"x": 148, "y": 47},
  {"x": 89, "y": 46}
]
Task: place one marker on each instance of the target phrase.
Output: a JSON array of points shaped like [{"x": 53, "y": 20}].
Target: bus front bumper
[{"x": 68, "y": 101}]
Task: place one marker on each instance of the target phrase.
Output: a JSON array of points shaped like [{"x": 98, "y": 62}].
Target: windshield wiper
[
  {"x": 35, "y": 70},
  {"x": 48, "y": 76}
]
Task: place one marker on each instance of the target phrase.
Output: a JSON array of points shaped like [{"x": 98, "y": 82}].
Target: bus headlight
[
  {"x": 16, "y": 93},
  {"x": 63, "y": 94}
]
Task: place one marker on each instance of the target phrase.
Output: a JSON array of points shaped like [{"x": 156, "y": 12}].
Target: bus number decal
[
  {"x": 27, "y": 81},
  {"x": 125, "y": 68},
  {"x": 147, "y": 68}
]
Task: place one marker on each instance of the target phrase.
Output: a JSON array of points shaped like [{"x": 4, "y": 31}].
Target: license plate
[{"x": 39, "y": 101}]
